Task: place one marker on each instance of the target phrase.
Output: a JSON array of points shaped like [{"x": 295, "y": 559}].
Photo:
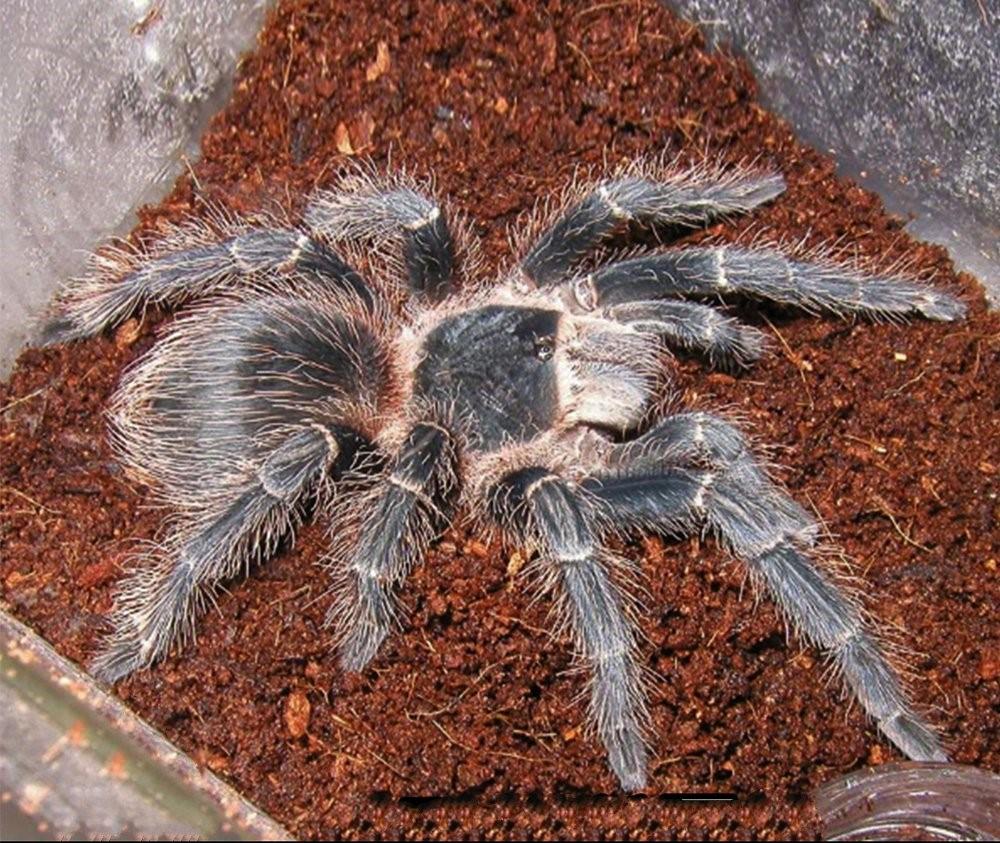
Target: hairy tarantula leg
[
  {"x": 549, "y": 512},
  {"x": 687, "y": 198},
  {"x": 698, "y": 327},
  {"x": 369, "y": 210},
  {"x": 764, "y": 274},
  {"x": 413, "y": 506},
  {"x": 157, "y": 605},
  {"x": 763, "y": 527},
  {"x": 662, "y": 500},
  {"x": 103, "y": 299}
]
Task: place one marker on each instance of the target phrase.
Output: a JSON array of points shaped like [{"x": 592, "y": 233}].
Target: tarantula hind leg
[
  {"x": 540, "y": 507},
  {"x": 686, "y": 197},
  {"x": 367, "y": 208},
  {"x": 157, "y": 605},
  {"x": 730, "y": 493},
  {"x": 410, "y": 506},
  {"x": 763, "y": 274},
  {"x": 188, "y": 265}
]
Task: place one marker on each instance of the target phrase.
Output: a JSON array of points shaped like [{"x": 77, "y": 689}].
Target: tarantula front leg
[
  {"x": 157, "y": 605},
  {"x": 411, "y": 505},
  {"x": 540, "y": 507},
  {"x": 726, "y": 342},
  {"x": 761, "y": 525},
  {"x": 758, "y": 273},
  {"x": 689, "y": 198}
]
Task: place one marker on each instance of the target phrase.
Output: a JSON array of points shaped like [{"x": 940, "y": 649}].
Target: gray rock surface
[
  {"x": 76, "y": 764},
  {"x": 904, "y": 93},
  {"x": 100, "y": 102}
]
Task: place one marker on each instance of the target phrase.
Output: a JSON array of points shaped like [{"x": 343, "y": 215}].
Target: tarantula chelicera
[{"x": 531, "y": 403}]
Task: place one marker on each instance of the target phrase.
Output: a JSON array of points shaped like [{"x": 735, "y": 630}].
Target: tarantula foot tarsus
[{"x": 302, "y": 384}]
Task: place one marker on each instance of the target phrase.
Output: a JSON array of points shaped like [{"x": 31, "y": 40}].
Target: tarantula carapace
[{"x": 531, "y": 403}]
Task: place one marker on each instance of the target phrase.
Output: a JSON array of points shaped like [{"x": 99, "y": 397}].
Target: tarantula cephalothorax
[{"x": 531, "y": 403}]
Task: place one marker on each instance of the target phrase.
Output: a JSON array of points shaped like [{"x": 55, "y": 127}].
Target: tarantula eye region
[{"x": 544, "y": 348}]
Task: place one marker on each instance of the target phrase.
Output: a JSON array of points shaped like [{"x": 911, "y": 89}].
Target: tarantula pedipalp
[{"x": 530, "y": 402}]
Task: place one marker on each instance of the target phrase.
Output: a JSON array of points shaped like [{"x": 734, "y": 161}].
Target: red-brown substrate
[{"x": 469, "y": 723}]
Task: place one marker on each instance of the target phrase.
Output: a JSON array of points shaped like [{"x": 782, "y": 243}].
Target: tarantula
[{"x": 532, "y": 403}]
